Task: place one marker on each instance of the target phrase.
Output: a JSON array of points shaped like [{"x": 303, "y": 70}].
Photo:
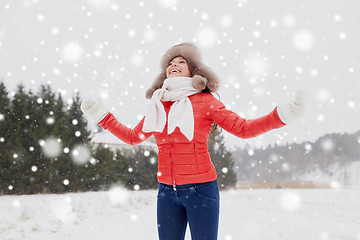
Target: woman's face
[{"x": 178, "y": 67}]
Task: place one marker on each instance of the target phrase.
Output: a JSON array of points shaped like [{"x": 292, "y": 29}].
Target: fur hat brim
[{"x": 203, "y": 76}]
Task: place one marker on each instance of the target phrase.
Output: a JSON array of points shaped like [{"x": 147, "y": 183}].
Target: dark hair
[{"x": 214, "y": 125}]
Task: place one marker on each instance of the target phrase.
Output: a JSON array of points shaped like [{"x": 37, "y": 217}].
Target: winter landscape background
[{"x": 263, "y": 52}]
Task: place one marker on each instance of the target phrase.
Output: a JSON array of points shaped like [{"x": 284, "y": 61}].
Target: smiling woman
[
  {"x": 181, "y": 112},
  {"x": 178, "y": 67}
]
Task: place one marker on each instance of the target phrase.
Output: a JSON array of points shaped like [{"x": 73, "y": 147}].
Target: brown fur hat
[{"x": 202, "y": 75}]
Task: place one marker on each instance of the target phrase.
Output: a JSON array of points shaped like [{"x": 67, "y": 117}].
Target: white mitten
[
  {"x": 95, "y": 111},
  {"x": 290, "y": 111}
]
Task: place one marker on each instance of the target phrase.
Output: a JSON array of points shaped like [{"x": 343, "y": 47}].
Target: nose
[{"x": 173, "y": 64}]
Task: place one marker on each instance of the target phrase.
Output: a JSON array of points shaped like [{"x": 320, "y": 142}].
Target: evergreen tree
[
  {"x": 142, "y": 169},
  {"x": 46, "y": 143},
  {"x": 122, "y": 168},
  {"x": 5, "y": 134},
  {"x": 101, "y": 171},
  {"x": 54, "y": 182},
  {"x": 75, "y": 142},
  {"x": 222, "y": 160}
]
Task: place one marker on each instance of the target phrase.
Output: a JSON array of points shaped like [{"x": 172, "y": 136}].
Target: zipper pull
[{"x": 174, "y": 186}]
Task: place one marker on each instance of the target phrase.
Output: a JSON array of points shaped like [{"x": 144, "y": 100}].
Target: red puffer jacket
[{"x": 182, "y": 161}]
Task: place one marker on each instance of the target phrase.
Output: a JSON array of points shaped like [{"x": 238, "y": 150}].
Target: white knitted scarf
[{"x": 181, "y": 115}]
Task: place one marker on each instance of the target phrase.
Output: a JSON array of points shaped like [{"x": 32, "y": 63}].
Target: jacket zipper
[{"x": 171, "y": 166}]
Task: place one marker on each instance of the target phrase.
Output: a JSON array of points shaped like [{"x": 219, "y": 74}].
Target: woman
[{"x": 181, "y": 113}]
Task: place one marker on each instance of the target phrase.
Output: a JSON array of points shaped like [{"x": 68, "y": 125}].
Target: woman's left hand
[{"x": 294, "y": 109}]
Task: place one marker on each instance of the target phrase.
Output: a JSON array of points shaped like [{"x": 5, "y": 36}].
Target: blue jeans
[{"x": 196, "y": 204}]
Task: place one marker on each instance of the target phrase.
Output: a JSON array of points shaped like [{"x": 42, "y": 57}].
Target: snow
[
  {"x": 81, "y": 154},
  {"x": 72, "y": 52},
  {"x": 207, "y": 37},
  {"x": 51, "y": 147},
  {"x": 279, "y": 214},
  {"x": 303, "y": 40}
]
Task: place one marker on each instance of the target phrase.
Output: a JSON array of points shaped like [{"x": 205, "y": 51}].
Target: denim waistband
[{"x": 186, "y": 185}]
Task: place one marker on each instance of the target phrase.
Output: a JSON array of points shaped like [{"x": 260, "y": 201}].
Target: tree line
[
  {"x": 292, "y": 161},
  {"x": 45, "y": 148}
]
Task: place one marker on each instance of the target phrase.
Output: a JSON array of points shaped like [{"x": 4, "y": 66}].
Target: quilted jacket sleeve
[
  {"x": 130, "y": 136},
  {"x": 239, "y": 126}
]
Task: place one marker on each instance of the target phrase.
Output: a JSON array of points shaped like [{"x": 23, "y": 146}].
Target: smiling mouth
[{"x": 174, "y": 71}]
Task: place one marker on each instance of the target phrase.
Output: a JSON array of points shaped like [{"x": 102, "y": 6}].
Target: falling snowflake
[
  {"x": 207, "y": 37},
  {"x": 134, "y": 217},
  {"x": 51, "y": 147},
  {"x": 323, "y": 95},
  {"x": 289, "y": 20},
  {"x": 40, "y": 17},
  {"x": 226, "y": 21},
  {"x": 285, "y": 167},
  {"x": 80, "y": 154},
  {"x": 149, "y": 35},
  {"x": 308, "y": 147},
  {"x": 152, "y": 160},
  {"x": 50, "y": 121},
  {"x": 342, "y": 36},
  {"x": 303, "y": 40},
  {"x": 72, "y": 52},
  {"x": 327, "y": 144},
  {"x": 137, "y": 60},
  {"x": 337, "y": 18},
  {"x": 256, "y": 65},
  {"x": 66, "y": 150},
  {"x": 290, "y": 201},
  {"x": 63, "y": 212},
  {"x": 118, "y": 195},
  {"x": 168, "y": 3},
  {"x": 100, "y": 4}
]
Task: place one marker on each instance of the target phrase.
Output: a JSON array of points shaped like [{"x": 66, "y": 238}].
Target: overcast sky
[{"x": 263, "y": 52}]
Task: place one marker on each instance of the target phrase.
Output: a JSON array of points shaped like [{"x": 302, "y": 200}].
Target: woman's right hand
[{"x": 95, "y": 111}]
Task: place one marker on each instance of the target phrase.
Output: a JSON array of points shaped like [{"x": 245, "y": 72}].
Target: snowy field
[{"x": 305, "y": 214}]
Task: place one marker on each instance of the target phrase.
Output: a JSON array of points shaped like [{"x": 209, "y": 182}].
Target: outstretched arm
[
  {"x": 104, "y": 118},
  {"x": 239, "y": 126},
  {"x": 130, "y": 136}
]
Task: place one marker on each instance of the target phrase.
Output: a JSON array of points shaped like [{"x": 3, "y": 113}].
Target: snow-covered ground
[{"x": 281, "y": 214}]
